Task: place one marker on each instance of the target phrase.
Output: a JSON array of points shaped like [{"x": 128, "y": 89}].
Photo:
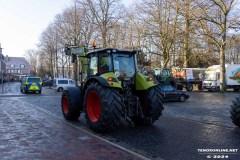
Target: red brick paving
[{"x": 27, "y": 133}]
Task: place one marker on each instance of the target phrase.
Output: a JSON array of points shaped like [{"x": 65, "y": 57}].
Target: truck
[
  {"x": 212, "y": 77},
  {"x": 112, "y": 90},
  {"x": 187, "y": 77}
]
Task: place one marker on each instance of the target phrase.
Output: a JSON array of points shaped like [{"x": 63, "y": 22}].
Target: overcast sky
[{"x": 22, "y": 22}]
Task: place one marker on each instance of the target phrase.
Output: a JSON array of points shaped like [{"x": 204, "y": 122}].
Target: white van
[{"x": 61, "y": 84}]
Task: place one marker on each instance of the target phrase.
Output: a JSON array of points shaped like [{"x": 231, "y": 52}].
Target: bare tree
[
  {"x": 106, "y": 13},
  {"x": 216, "y": 21},
  {"x": 233, "y": 49},
  {"x": 32, "y": 57},
  {"x": 47, "y": 46},
  {"x": 161, "y": 21}
]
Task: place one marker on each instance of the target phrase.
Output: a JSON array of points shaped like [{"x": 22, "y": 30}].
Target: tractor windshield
[{"x": 124, "y": 65}]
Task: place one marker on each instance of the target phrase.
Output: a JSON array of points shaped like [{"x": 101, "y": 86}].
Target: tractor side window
[
  {"x": 93, "y": 65},
  {"x": 105, "y": 63}
]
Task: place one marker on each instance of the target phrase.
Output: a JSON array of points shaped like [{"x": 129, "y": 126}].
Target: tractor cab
[{"x": 118, "y": 61}]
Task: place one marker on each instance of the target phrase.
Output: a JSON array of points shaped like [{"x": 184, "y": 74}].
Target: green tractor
[
  {"x": 235, "y": 111},
  {"x": 113, "y": 90},
  {"x": 164, "y": 76}
]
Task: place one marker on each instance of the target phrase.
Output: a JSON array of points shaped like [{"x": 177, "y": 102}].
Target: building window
[
  {"x": 19, "y": 71},
  {"x": 12, "y": 65},
  {"x": 22, "y": 66}
]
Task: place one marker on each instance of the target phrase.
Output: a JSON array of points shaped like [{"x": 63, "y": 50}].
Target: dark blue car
[{"x": 171, "y": 94}]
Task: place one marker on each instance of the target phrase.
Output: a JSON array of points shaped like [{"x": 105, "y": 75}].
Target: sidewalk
[
  {"x": 2, "y": 86},
  {"x": 29, "y": 133},
  {"x": 5, "y": 86}
]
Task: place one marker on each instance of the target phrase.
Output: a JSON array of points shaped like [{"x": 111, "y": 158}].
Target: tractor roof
[{"x": 114, "y": 50}]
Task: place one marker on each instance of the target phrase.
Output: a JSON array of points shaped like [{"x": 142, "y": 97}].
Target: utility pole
[{"x": 1, "y": 65}]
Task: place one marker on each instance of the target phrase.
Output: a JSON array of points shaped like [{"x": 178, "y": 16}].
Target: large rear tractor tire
[
  {"x": 171, "y": 81},
  {"x": 152, "y": 106},
  {"x": 103, "y": 107},
  {"x": 235, "y": 111},
  {"x": 71, "y": 103}
]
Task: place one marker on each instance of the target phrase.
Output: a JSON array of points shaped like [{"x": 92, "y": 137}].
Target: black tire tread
[
  {"x": 74, "y": 106},
  {"x": 111, "y": 108},
  {"x": 189, "y": 87},
  {"x": 152, "y": 104},
  {"x": 235, "y": 111},
  {"x": 180, "y": 98}
]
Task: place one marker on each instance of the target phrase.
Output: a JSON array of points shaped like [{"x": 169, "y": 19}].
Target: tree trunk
[
  {"x": 222, "y": 72},
  {"x": 166, "y": 59},
  {"x": 186, "y": 38},
  {"x": 104, "y": 37},
  {"x": 222, "y": 62}
]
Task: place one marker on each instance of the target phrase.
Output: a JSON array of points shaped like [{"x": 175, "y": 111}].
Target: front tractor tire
[
  {"x": 152, "y": 106},
  {"x": 71, "y": 103},
  {"x": 171, "y": 81},
  {"x": 235, "y": 111},
  {"x": 103, "y": 107}
]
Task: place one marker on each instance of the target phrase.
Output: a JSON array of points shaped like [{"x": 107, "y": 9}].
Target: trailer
[
  {"x": 187, "y": 77},
  {"x": 212, "y": 77}
]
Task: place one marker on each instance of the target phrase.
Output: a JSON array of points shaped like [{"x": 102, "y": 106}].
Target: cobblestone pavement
[
  {"x": 202, "y": 122},
  {"x": 207, "y": 107},
  {"x": 13, "y": 89},
  {"x": 29, "y": 133}
]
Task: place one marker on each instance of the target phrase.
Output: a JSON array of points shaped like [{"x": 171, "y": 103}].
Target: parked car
[
  {"x": 47, "y": 83},
  {"x": 31, "y": 84},
  {"x": 171, "y": 94},
  {"x": 61, "y": 84}
]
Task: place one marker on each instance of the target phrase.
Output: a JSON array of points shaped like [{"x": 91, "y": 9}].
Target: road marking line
[{"x": 85, "y": 131}]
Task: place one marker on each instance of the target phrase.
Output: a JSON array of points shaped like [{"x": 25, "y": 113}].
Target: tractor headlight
[
  {"x": 111, "y": 79},
  {"x": 149, "y": 79}
]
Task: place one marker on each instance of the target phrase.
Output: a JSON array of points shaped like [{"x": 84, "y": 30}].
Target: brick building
[{"x": 17, "y": 67}]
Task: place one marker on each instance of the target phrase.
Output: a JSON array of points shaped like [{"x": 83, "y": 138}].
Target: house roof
[{"x": 17, "y": 62}]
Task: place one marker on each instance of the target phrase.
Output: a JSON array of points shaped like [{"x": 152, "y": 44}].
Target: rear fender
[
  {"x": 103, "y": 81},
  {"x": 142, "y": 82}
]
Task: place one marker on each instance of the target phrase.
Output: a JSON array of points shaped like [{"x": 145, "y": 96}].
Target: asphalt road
[{"x": 202, "y": 122}]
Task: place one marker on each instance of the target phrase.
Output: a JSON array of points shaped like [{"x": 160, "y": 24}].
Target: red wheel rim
[
  {"x": 93, "y": 106},
  {"x": 65, "y": 105}
]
